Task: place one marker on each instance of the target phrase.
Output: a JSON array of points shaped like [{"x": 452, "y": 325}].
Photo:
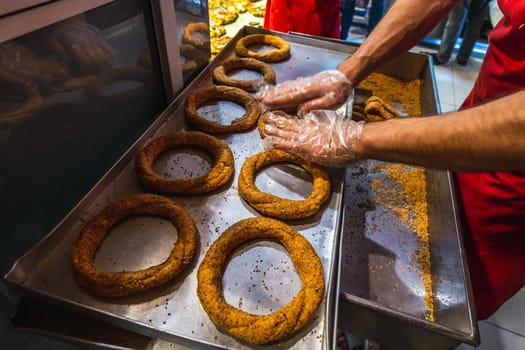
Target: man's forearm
[
  {"x": 483, "y": 138},
  {"x": 405, "y": 24}
]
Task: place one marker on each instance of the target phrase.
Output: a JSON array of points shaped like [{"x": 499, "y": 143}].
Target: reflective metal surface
[
  {"x": 381, "y": 289},
  {"x": 259, "y": 278}
]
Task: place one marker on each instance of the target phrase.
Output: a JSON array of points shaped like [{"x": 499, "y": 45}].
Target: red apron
[
  {"x": 494, "y": 203},
  {"x": 314, "y": 17}
]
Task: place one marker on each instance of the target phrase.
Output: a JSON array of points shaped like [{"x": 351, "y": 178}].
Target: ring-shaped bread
[
  {"x": 261, "y": 329},
  {"x": 220, "y": 73},
  {"x": 189, "y": 31},
  {"x": 281, "y": 53},
  {"x": 219, "y": 174},
  {"x": 194, "y": 57},
  {"x": 115, "y": 284},
  {"x": 275, "y": 206},
  {"x": 200, "y": 96}
]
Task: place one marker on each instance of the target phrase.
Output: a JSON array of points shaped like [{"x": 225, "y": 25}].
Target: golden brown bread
[
  {"x": 219, "y": 174},
  {"x": 278, "y": 207},
  {"x": 261, "y": 329},
  {"x": 115, "y": 284}
]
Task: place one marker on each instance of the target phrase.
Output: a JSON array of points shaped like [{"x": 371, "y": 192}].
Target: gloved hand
[
  {"x": 81, "y": 46},
  {"x": 321, "y": 136},
  {"x": 324, "y": 90}
]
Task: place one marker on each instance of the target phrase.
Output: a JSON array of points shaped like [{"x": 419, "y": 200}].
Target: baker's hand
[
  {"x": 324, "y": 90},
  {"x": 321, "y": 136},
  {"x": 81, "y": 46}
]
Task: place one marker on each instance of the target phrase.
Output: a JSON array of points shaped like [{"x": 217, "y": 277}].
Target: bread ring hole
[
  {"x": 183, "y": 163},
  {"x": 222, "y": 112},
  {"x": 200, "y": 35},
  {"x": 260, "y": 278},
  {"x": 285, "y": 180},
  {"x": 261, "y": 48},
  {"x": 244, "y": 74},
  {"x": 136, "y": 243}
]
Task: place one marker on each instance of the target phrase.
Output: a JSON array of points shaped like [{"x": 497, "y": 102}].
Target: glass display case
[
  {"x": 193, "y": 31},
  {"x": 79, "y": 82}
]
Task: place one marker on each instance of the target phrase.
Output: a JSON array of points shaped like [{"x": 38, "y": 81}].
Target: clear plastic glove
[
  {"x": 321, "y": 136},
  {"x": 324, "y": 90}
]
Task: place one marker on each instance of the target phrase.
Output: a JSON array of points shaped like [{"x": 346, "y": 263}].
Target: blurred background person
[
  {"x": 476, "y": 11},
  {"x": 377, "y": 9},
  {"x": 314, "y": 17},
  {"x": 449, "y": 31}
]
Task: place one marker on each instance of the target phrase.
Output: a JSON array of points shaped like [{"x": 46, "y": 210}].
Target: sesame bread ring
[
  {"x": 261, "y": 329},
  {"x": 220, "y": 73},
  {"x": 194, "y": 57},
  {"x": 277, "y": 207},
  {"x": 198, "y": 97},
  {"x": 281, "y": 53},
  {"x": 189, "y": 34},
  {"x": 377, "y": 110},
  {"x": 116, "y": 284},
  {"x": 219, "y": 174}
]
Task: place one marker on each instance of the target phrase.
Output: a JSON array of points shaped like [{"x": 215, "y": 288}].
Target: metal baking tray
[
  {"x": 381, "y": 292},
  {"x": 173, "y": 312}
]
